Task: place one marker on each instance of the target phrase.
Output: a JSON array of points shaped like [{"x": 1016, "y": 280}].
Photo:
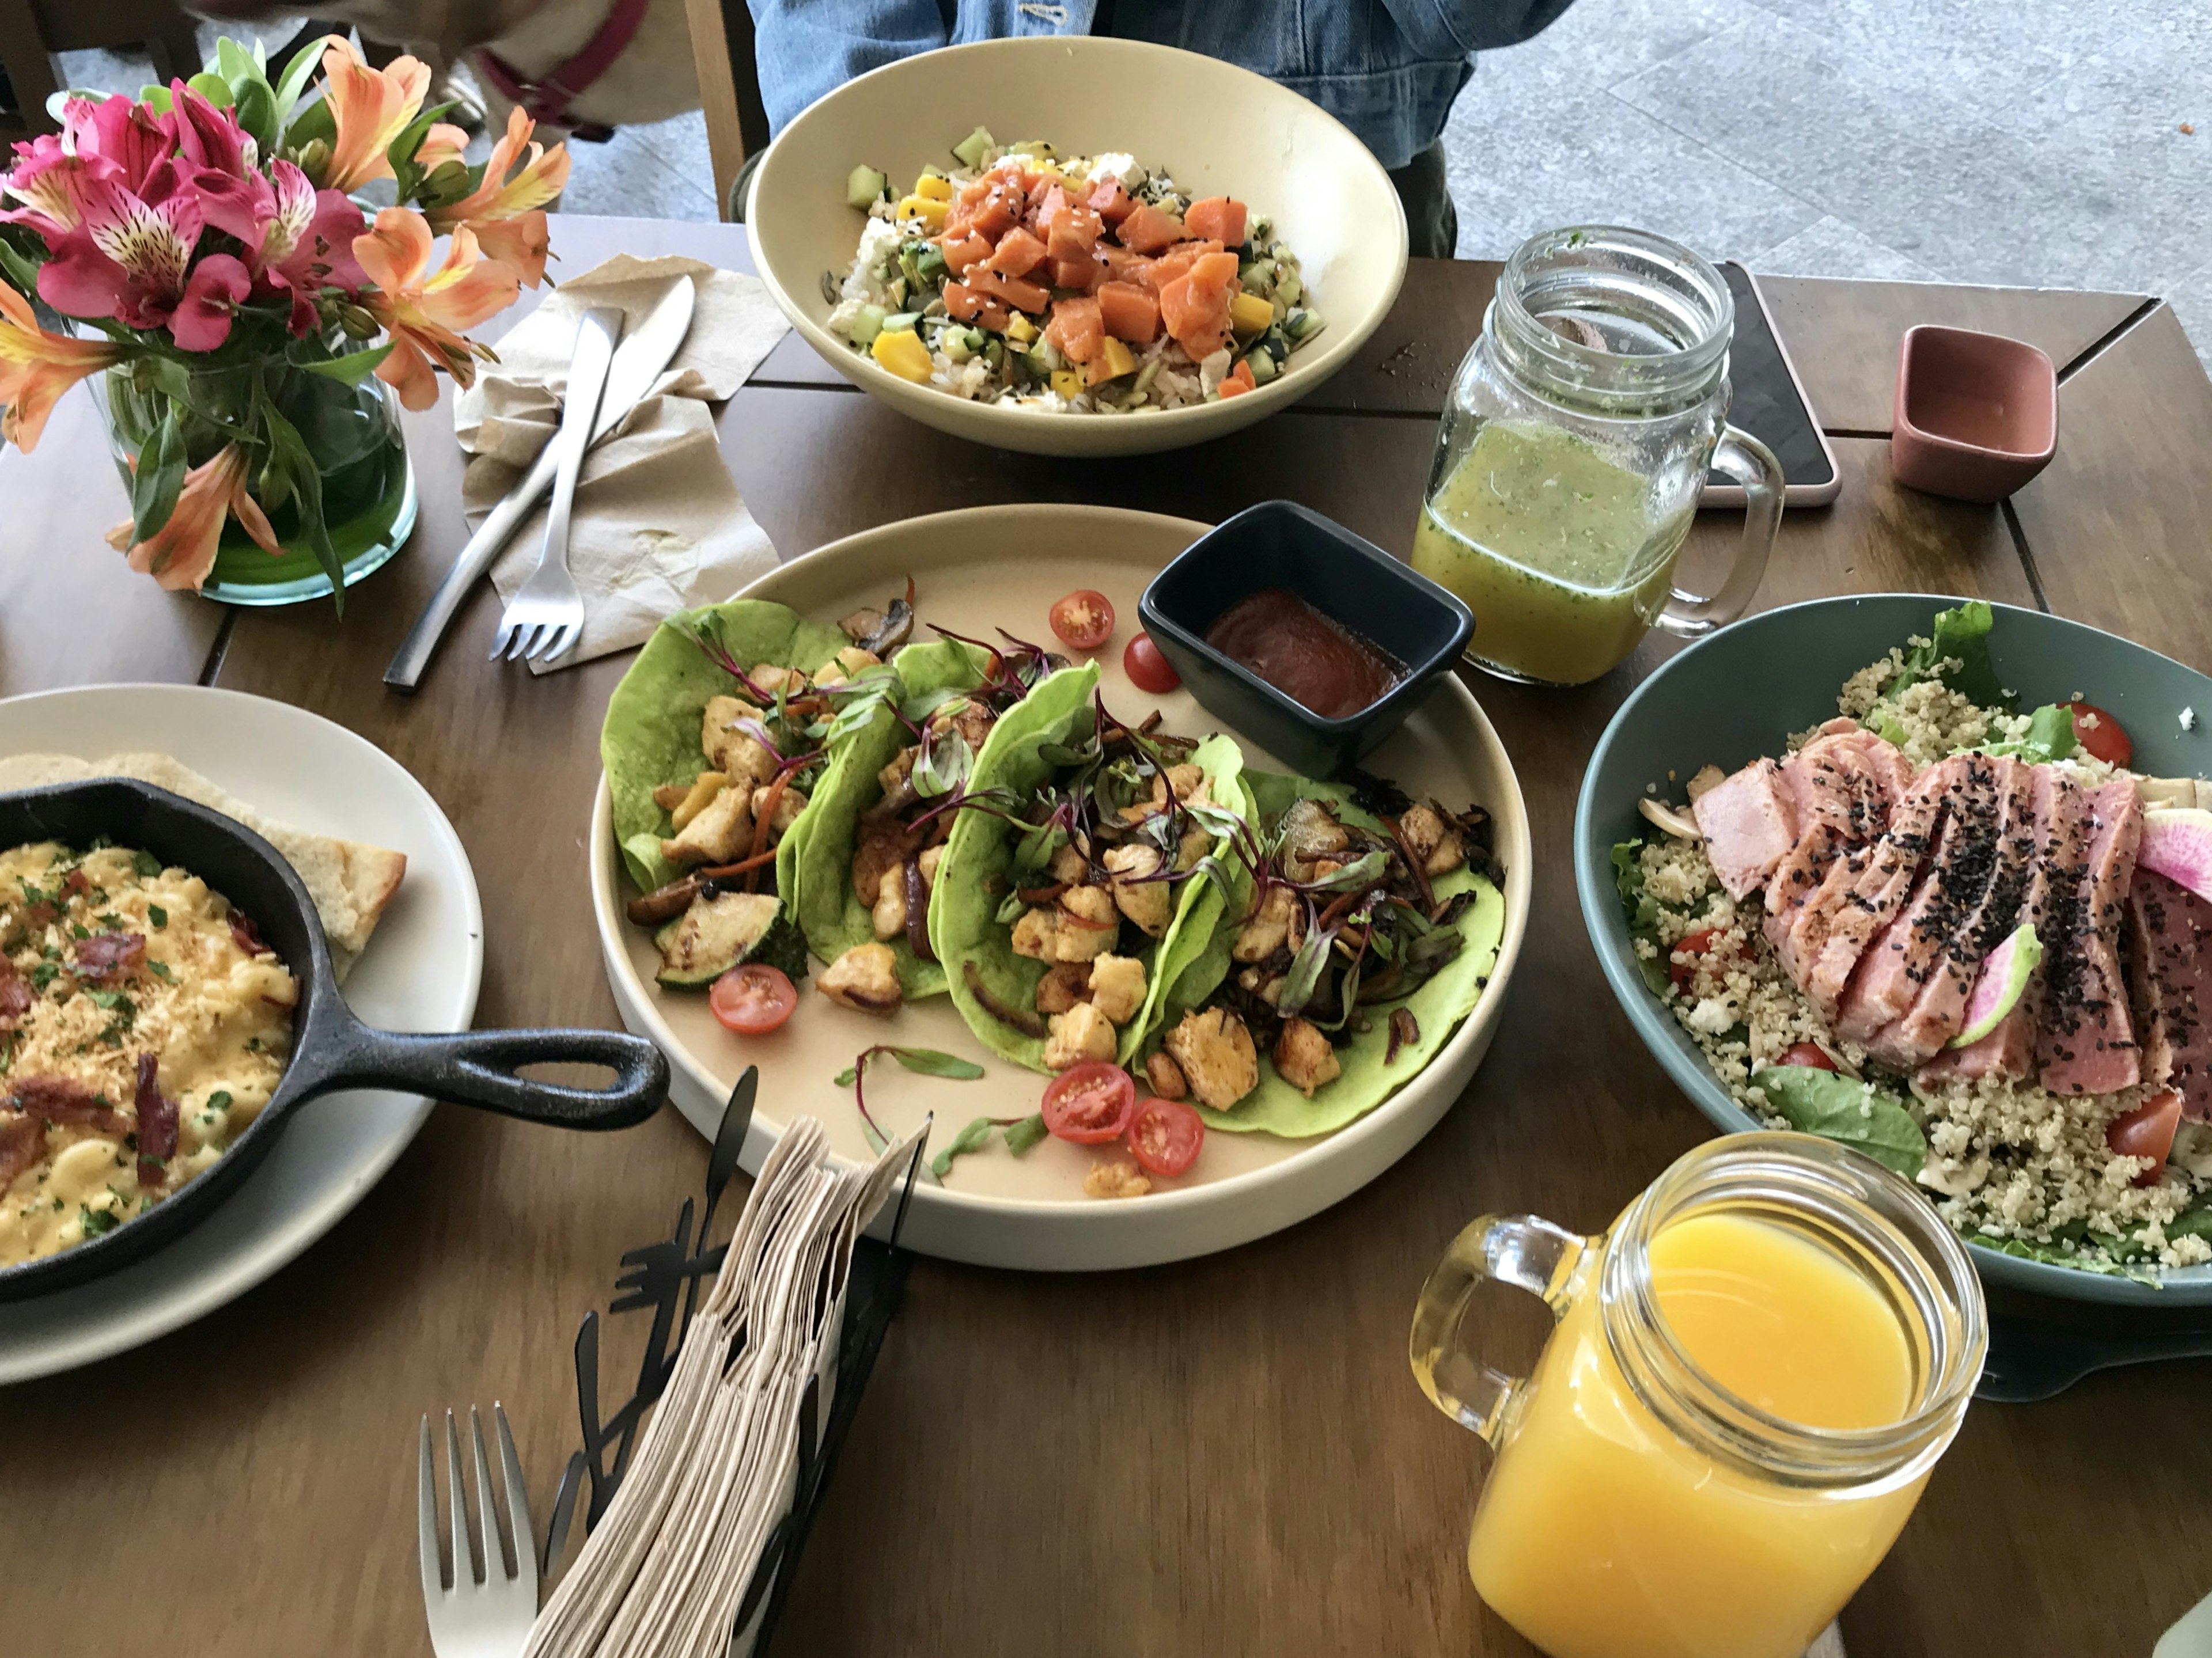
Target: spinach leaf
[
  {"x": 2058, "y": 1255},
  {"x": 1961, "y": 635},
  {"x": 1857, "y": 1114},
  {"x": 1643, "y": 914}
]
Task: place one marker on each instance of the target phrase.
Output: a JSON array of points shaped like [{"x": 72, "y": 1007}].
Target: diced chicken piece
[
  {"x": 1310, "y": 833},
  {"x": 1087, "y": 926},
  {"x": 2169, "y": 936},
  {"x": 888, "y": 916},
  {"x": 721, "y": 833},
  {"x": 880, "y": 843},
  {"x": 1187, "y": 781},
  {"x": 1272, "y": 924},
  {"x": 788, "y": 805},
  {"x": 1150, "y": 904},
  {"x": 2086, "y": 1044},
  {"x": 895, "y": 773},
  {"x": 1036, "y": 932},
  {"x": 1117, "y": 987},
  {"x": 738, "y": 755},
  {"x": 1165, "y": 1076},
  {"x": 842, "y": 666},
  {"x": 1081, "y": 1033},
  {"x": 1197, "y": 840},
  {"x": 1120, "y": 1178},
  {"x": 1267, "y": 987},
  {"x": 969, "y": 718},
  {"x": 1432, "y": 839},
  {"x": 930, "y": 859},
  {"x": 689, "y": 802},
  {"x": 1069, "y": 865},
  {"x": 1304, "y": 1057},
  {"x": 1064, "y": 985},
  {"x": 772, "y": 676},
  {"x": 1214, "y": 1052},
  {"x": 865, "y": 978}
]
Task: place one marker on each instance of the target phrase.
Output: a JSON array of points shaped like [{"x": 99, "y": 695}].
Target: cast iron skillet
[{"x": 330, "y": 1048}]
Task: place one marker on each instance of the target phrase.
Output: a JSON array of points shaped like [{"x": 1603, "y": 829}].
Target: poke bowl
[
  {"x": 978, "y": 332},
  {"x": 2018, "y": 1116}
]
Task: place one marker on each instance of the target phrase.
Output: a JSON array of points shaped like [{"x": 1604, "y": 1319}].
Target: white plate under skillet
[
  {"x": 1001, "y": 567},
  {"x": 420, "y": 972}
]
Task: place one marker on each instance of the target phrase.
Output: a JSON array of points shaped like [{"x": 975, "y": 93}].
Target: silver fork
[
  {"x": 490, "y": 1617},
  {"x": 546, "y": 615}
]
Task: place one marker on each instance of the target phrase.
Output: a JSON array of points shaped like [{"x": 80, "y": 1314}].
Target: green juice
[{"x": 1554, "y": 549}]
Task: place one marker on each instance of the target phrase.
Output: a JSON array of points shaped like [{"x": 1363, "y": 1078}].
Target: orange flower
[
  {"x": 369, "y": 107},
  {"x": 423, "y": 311},
  {"x": 36, "y": 367},
  {"x": 182, "y": 551},
  {"x": 442, "y": 144},
  {"x": 507, "y": 213}
]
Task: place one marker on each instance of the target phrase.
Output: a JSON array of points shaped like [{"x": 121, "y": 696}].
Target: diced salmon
[
  {"x": 1123, "y": 266},
  {"x": 1017, "y": 255},
  {"x": 963, "y": 251},
  {"x": 1071, "y": 232},
  {"x": 965, "y": 304},
  {"x": 1175, "y": 262},
  {"x": 1239, "y": 381},
  {"x": 1081, "y": 275},
  {"x": 1195, "y": 306},
  {"x": 990, "y": 219},
  {"x": 1110, "y": 202},
  {"x": 1128, "y": 313},
  {"x": 1042, "y": 208},
  {"x": 1216, "y": 218},
  {"x": 1021, "y": 295},
  {"x": 1147, "y": 230},
  {"x": 1076, "y": 330}
]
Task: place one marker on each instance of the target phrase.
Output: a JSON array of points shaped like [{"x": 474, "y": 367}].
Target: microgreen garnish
[
  {"x": 926, "y": 1060},
  {"x": 1021, "y": 1134}
]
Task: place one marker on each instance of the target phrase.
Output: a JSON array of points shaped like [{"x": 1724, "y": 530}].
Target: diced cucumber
[
  {"x": 1276, "y": 343},
  {"x": 953, "y": 342},
  {"x": 1048, "y": 355},
  {"x": 864, "y": 187},
  {"x": 1261, "y": 365},
  {"x": 1029, "y": 147},
  {"x": 977, "y": 340},
  {"x": 866, "y": 325},
  {"x": 1300, "y": 326},
  {"x": 903, "y": 322},
  {"x": 971, "y": 150},
  {"x": 994, "y": 353},
  {"x": 930, "y": 267},
  {"x": 1289, "y": 288},
  {"x": 1258, "y": 276},
  {"x": 1145, "y": 376}
]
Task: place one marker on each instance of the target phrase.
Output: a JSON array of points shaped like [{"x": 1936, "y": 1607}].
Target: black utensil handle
[{"x": 478, "y": 1068}]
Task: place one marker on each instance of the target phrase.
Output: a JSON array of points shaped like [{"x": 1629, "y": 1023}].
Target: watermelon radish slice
[
  {"x": 2177, "y": 843},
  {"x": 2003, "y": 981}
]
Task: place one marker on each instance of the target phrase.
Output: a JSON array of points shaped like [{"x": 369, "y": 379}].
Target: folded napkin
[{"x": 658, "y": 525}]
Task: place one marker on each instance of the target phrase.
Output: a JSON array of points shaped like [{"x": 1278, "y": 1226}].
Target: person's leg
[
  {"x": 1431, "y": 219},
  {"x": 740, "y": 185}
]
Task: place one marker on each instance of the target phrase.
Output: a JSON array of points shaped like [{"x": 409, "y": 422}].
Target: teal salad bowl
[{"x": 1739, "y": 693}]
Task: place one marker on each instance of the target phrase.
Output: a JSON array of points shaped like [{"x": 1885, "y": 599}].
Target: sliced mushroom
[
  {"x": 880, "y": 631},
  {"x": 1676, "y": 823}
]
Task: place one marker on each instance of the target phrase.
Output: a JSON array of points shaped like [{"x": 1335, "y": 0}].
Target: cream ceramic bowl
[{"x": 1213, "y": 127}]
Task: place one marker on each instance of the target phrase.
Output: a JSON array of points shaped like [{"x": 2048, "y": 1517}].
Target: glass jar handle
[
  {"x": 1520, "y": 1250},
  {"x": 1751, "y": 463}
]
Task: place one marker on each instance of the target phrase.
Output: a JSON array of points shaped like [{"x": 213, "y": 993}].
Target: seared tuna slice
[
  {"x": 1824, "y": 948},
  {"x": 2085, "y": 1042},
  {"x": 2169, "y": 952},
  {"x": 1750, "y": 823}
]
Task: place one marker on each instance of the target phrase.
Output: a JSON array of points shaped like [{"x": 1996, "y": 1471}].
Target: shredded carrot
[
  {"x": 723, "y": 872},
  {"x": 764, "y": 805}
]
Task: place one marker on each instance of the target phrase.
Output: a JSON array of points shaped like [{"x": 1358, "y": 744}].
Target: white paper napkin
[{"x": 658, "y": 525}]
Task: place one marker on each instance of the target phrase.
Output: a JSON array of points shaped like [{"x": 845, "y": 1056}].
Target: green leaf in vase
[
  {"x": 353, "y": 367},
  {"x": 211, "y": 86},
  {"x": 257, "y": 112},
  {"x": 159, "y": 476},
  {"x": 287, "y": 445}
]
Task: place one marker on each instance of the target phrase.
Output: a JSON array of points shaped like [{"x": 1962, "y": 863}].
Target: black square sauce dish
[{"x": 1315, "y": 643}]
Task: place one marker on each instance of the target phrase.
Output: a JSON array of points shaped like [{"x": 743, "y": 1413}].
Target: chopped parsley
[
  {"x": 219, "y": 1101},
  {"x": 161, "y": 970},
  {"x": 157, "y": 915},
  {"x": 79, "y": 930},
  {"x": 42, "y": 974},
  {"x": 94, "y": 1221},
  {"x": 146, "y": 864},
  {"x": 112, "y": 922}
]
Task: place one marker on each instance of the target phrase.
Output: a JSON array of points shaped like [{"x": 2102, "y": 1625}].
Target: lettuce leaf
[
  {"x": 1959, "y": 637},
  {"x": 1854, "y": 1114},
  {"x": 1643, "y": 914}
]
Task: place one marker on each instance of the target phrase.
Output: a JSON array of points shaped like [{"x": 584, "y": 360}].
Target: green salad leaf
[
  {"x": 2050, "y": 736},
  {"x": 1643, "y": 914},
  {"x": 1959, "y": 637},
  {"x": 1854, "y": 1114}
]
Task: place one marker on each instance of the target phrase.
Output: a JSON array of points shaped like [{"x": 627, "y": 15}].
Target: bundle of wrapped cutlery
[{"x": 680, "y": 1563}]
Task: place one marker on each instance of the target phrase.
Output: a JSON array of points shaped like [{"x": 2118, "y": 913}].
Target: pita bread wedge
[{"x": 350, "y": 882}]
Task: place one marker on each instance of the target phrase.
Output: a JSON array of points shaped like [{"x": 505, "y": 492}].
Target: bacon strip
[
  {"x": 65, "y": 1100},
  {"x": 245, "y": 934},
  {"x": 15, "y": 997},
  {"x": 22, "y": 1143},
  {"x": 107, "y": 956},
  {"x": 157, "y": 1125}
]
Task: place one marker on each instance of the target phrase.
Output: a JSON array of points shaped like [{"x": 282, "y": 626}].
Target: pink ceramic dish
[{"x": 1975, "y": 417}]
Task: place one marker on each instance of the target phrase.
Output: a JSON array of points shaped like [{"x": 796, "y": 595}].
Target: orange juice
[{"x": 1601, "y": 1533}]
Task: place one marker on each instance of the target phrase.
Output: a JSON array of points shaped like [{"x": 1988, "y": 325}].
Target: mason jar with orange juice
[{"x": 1752, "y": 1375}]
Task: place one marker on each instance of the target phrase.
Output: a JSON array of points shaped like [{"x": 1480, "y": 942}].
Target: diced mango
[
  {"x": 904, "y": 354},
  {"x": 1251, "y": 314},
  {"x": 1112, "y": 360},
  {"x": 1049, "y": 175},
  {"x": 924, "y": 210},
  {"x": 1020, "y": 329},
  {"x": 1068, "y": 383},
  {"x": 936, "y": 189}
]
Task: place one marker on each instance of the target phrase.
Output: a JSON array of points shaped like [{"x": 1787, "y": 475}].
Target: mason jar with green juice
[{"x": 1578, "y": 434}]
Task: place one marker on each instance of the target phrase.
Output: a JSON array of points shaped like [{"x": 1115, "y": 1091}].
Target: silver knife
[{"x": 644, "y": 353}]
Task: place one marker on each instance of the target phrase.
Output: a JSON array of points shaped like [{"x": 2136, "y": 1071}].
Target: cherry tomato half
[
  {"x": 1148, "y": 669},
  {"x": 1693, "y": 943},
  {"x": 1165, "y": 1135},
  {"x": 1083, "y": 620},
  {"x": 752, "y": 999},
  {"x": 2148, "y": 1132},
  {"x": 2102, "y": 736},
  {"x": 1810, "y": 1053},
  {"x": 1090, "y": 1103}
]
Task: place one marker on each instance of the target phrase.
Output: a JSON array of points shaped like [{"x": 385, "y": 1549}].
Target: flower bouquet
[{"x": 216, "y": 245}]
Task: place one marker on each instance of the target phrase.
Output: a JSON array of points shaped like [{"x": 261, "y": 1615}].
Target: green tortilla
[{"x": 651, "y": 735}]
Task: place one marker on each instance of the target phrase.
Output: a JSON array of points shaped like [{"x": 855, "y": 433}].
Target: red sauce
[{"x": 1313, "y": 660}]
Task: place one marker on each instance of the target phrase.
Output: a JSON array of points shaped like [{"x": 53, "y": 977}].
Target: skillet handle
[{"x": 477, "y": 1068}]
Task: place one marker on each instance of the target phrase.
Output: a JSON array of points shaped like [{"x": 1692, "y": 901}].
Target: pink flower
[
  {"x": 210, "y": 137},
  {"x": 120, "y": 137},
  {"x": 296, "y": 240},
  {"x": 216, "y": 287},
  {"x": 127, "y": 256},
  {"x": 41, "y": 179}
]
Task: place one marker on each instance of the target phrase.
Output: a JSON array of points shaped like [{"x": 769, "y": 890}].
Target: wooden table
[{"x": 1227, "y": 1455}]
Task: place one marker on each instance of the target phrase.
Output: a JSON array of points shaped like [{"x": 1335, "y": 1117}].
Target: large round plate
[
  {"x": 1216, "y": 128},
  {"x": 1000, "y": 567},
  {"x": 1734, "y": 697},
  {"x": 420, "y": 973}
]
